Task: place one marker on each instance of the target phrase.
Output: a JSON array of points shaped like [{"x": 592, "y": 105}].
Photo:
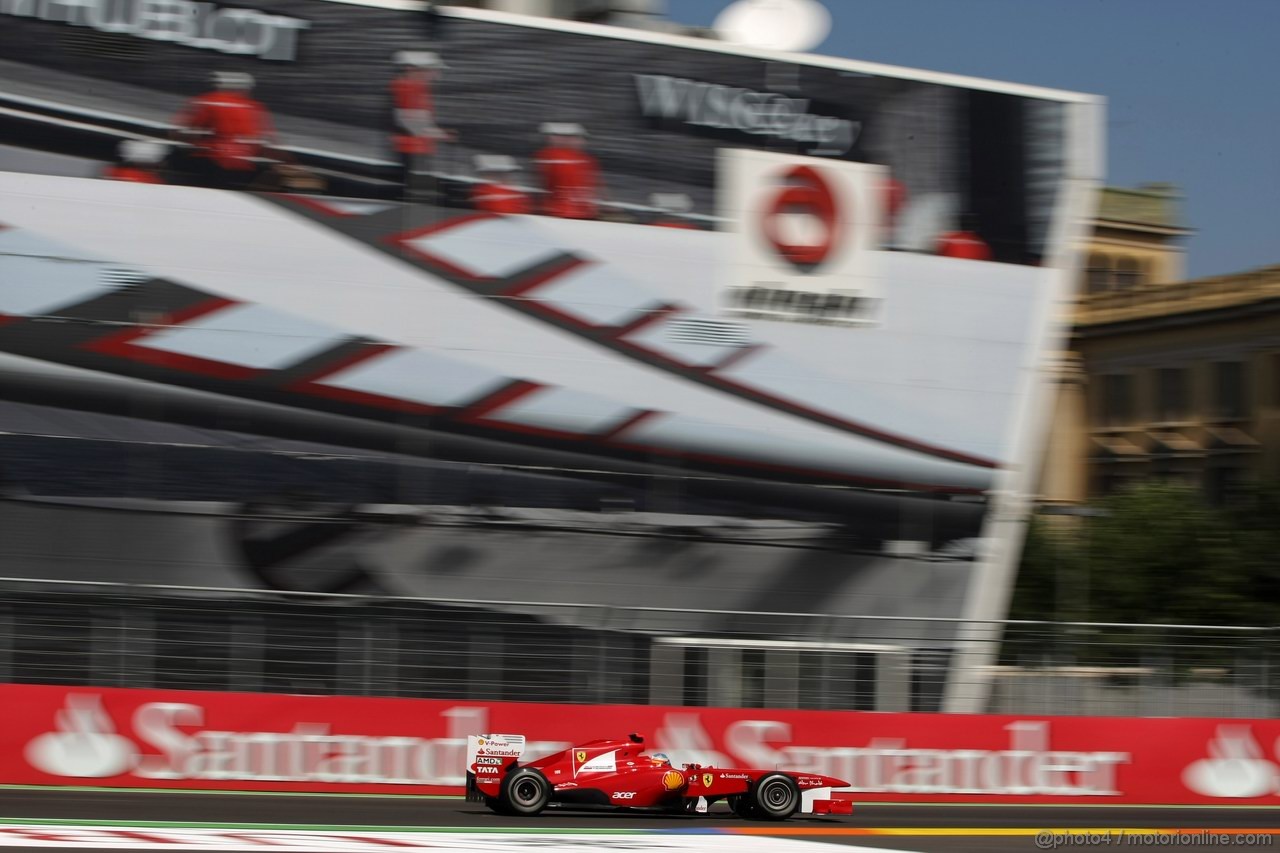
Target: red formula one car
[{"x": 620, "y": 773}]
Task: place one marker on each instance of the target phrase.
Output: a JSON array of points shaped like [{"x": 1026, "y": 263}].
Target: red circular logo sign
[{"x": 804, "y": 193}]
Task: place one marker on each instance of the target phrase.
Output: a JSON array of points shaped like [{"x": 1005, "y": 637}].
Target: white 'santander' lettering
[
  {"x": 306, "y": 753},
  {"x": 1028, "y": 766}
]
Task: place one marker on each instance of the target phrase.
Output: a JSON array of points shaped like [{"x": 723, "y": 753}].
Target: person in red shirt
[
  {"x": 138, "y": 162},
  {"x": 229, "y": 131},
  {"x": 893, "y": 197},
  {"x": 964, "y": 243},
  {"x": 413, "y": 118},
  {"x": 570, "y": 176},
  {"x": 494, "y": 194}
]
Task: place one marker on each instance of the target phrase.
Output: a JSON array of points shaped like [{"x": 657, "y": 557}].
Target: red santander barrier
[{"x": 197, "y": 740}]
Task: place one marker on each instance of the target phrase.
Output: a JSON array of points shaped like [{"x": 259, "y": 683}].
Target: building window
[
  {"x": 1117, "y": 399},
  {"x": 1128, "y": 274},
  {"x": 1172, "y": 394},
  {"x": 1098, "y": 274},
  {"x": 1230, "y": 394}
]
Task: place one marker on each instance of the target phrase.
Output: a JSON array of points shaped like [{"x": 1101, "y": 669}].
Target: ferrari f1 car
[{"x": 621, "y": 774}]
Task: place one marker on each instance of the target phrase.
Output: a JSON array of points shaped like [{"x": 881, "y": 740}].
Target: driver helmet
[{"x": 661, "y": 758}]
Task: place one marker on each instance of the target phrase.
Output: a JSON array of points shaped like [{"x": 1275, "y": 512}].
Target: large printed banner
[{"x": 195, "y": 740}]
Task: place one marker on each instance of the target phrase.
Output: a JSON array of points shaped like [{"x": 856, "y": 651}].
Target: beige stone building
[{"x": 1165, "y": 378}]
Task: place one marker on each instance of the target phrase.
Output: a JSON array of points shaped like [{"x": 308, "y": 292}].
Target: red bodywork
[{"x": 621, "y": 773}]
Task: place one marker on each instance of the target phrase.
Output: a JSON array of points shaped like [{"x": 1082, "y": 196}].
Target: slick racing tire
[
  {"x": 525, "y": 791},
  {"x": 774, "y": 797}
]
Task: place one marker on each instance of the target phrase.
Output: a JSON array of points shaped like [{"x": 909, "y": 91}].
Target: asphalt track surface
[{"x": 948, "y": 829}]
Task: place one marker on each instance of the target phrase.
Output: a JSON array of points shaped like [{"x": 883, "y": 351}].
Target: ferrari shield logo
[
  {"x": 707, "y": 779},
  {"x": 581, "y": 755}
]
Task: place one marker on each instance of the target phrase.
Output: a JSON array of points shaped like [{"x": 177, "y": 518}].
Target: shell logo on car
[{"x": 672, "y": 780}]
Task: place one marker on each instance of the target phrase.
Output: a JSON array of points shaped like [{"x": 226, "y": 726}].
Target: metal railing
[{"x": 74, "y": 633}]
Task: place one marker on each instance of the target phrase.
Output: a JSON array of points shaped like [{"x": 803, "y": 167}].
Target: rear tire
[
  {"x": 525, "y": 791},
  {"x": 774, "y": 797}
]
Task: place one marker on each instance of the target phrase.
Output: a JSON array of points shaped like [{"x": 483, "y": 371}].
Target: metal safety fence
[{"x": 261, "y": 641}]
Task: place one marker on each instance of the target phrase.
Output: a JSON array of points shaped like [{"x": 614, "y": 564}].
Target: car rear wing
[
  {"x": 501, "y": 746},
  {"x": 495, "y": 752}
]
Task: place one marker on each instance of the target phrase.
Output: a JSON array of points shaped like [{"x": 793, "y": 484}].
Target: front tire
[
  {"x": 774, "y": 797},
  {"x": 741, "y": 805},
  {"x": 525, "y": 791}
]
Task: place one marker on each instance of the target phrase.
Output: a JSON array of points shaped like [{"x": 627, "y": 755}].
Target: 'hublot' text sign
[{"x": 244, "y": 32}]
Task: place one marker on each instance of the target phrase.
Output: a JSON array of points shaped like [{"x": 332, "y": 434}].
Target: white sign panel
[{"x": 805, "y": 237}]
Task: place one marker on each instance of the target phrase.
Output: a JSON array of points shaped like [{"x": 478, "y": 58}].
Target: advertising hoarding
[
  {"x": 930, "y": 400},
  {"x": 218, "y": 741}
]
